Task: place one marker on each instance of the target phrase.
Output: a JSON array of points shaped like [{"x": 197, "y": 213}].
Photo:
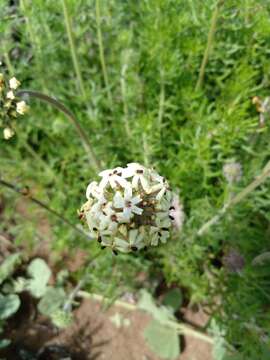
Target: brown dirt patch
[{"x": 92, "y": 336}]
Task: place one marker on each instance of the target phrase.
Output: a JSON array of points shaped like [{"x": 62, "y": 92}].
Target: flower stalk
[
  {"x": 101, "y": 53},
  {"x": 236, "y": 199},
  {"x": 209, "y": 44},
  {"x": 24, "y": 191},
  {"x": 94, "y": 162},
  {"x": 73, "y": 49}
]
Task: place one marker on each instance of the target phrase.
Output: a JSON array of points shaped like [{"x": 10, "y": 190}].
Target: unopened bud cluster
[
  {"x": 232, "y": 172},
  {"x": 10, "y": 106},
  {"x": 129, "y": 209}
]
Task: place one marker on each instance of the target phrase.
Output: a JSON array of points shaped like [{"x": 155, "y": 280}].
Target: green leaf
[
  {"x": 8, "y": 305},
  {"x": 162, "y": 340},
  {"x": 173, "y": 299},
  {"x": 161, "y": 314},
  {"x": 40, "y": 273},
  {"x": 9, "y": 265},
  {"x": 53, "y": 299}
]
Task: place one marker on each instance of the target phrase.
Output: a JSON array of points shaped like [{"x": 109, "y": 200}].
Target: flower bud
[
  {"x": 10, "y": 107},
  {"x": 8, "y": 133},
  {"x": 21, "y": 107},
  {"x": 232, "y": 172},
  {"x": 14, "y": 83}
]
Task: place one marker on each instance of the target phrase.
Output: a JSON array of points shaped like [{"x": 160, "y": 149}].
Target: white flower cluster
[
  {"x": 10, "y": 107},
  {"x": 129, "y": 209}
]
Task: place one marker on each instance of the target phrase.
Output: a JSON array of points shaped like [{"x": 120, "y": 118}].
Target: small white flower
[
  {"x": 14, "y": 83},
  {"x": 121, "y": 244},
  {"x": 21, "y": 107},
  {"x": 10, "y": 95},
  {"x": 108, "y": 222},
  {"x": 127, "y": 203},
  {"x": 136, "y": 239},
  {"x": 92, "y": 224},
  {"x": 112, "y": 177},
  {"x": 160, "y": 189},
  {"x": 159, "y": 235},
  {"x": 94, "y": 190},
  {"x": 106, "y": 241},
  {"x": 8, "y": 133},
  {"x": 164, "y": 219},
  {"x": 139, "y": 174}
]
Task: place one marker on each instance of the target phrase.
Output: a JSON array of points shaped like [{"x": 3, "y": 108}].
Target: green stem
[
  {"x": 34, "y": 41},
  {"x": 209, "y": 44},
  {"x": 73, "y": 49},
  {"x": 193, "y": 11},
  {"x": 180, "y": 327},
  {"x": 101, "y": 53},
  {"x": 25, "y": 192},
  {"x": 58, "y": 105},
  {"x": 8, "y": 62},
  {"x": 236, "y": 199},
  {"x": 145, "y": 150},
  {"x": 28, "y": 24},
  {"x": 161, "y": 101}
]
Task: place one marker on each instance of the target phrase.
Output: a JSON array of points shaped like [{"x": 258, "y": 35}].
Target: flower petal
[
  {"x": 136, "y": 210},
  {"x": 144, "y": 183},
  {"x": 118, "y": 200}
]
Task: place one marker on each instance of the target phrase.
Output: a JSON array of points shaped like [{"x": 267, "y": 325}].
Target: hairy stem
[
  {"x": 236, "y": 199},
  {"x": 101, "y": 53},
  {"x": 73, "y": 49},
  {"x": 180, "y": 327},
  {"x": 24, "y": 191},
  {"x": 94, "y": 162},
  {"x": 209, "y": 44}
]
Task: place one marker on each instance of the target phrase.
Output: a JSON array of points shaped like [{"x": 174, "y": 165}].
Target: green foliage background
[{"x": 146, "y": 109}]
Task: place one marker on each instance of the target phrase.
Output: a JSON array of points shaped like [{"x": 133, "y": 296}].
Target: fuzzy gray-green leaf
[
  {"x": 40, "y": 274},
  {"x": 9, "y": 265},
  {"x": 162, "y": 340},
  {"x": 53, "y": 299},
  {"x": 9, "y": 304}
]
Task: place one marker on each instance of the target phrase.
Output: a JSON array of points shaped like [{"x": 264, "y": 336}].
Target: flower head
[
  {"x": 129, "y": 209},
  {"x": 10, "y": 107},
  {"x": 21, "y": 107},
  {"x": 10, "y": 95},
  {"x": 232, "y": 171},
  {"x": 8, "y": 133},
  {"x": 14, "y": 83}
]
